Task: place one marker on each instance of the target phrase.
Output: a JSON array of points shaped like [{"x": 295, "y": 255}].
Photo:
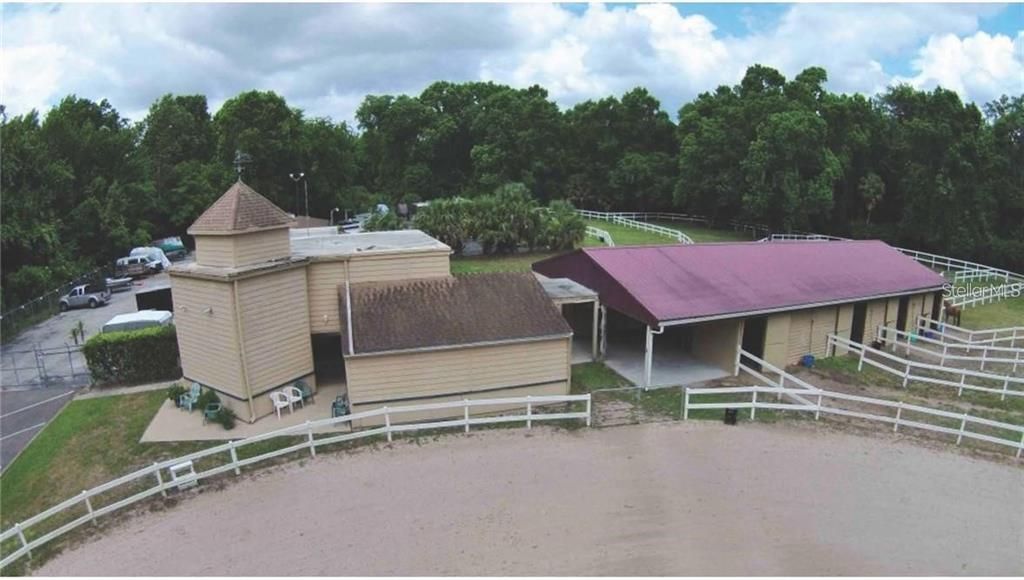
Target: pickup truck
[{"x": 84, "y": 295}]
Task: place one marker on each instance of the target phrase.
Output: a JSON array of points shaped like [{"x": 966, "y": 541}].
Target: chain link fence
[
  {"x": 43, "y": 307},
  {"x": 44, "y": 367}
]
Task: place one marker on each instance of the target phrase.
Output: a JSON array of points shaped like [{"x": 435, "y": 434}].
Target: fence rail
[
  {"x": 989, "y": 354},
  {"x": 819, "y": 407},
  {"x": 601, "y": 235},
  {"x": 947, "y": 263},
  {"x": 802, "y": 237},
  {"x": 629, "y": 222},
  {"x": 907, "y": 369},
  {"x": 990, "y": 336},
  {"x": 163, "y": 484}
]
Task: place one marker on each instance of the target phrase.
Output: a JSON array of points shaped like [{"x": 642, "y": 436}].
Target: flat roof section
[
  {"x": 328, "y": 243},
  {"x": 564, "y": 290}
]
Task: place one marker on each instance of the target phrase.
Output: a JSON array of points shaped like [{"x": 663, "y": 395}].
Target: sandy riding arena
[{"x": 695, "y": 498}]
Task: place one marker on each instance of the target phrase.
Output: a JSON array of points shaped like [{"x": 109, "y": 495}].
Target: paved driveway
[{"x": 26, "y": 401}]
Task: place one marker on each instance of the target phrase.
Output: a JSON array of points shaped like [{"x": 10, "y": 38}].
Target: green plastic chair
[
  {"x": 189, "y": 399},
  {"x": 210, "y": 412},
  {"x": 307, "y": 392}
]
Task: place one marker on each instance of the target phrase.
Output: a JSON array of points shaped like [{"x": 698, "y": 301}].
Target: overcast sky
[{"x": 325, "y": 57}]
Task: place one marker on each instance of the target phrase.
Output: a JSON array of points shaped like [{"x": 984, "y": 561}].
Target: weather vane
[{"x": 240, "y": 160}]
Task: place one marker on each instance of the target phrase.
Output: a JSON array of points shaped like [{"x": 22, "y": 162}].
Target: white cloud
[
  {"x": 980, "y": 66},
  {"x": 325, "y": 58}
]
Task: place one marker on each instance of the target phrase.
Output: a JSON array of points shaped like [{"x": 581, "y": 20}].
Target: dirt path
[{"x": 676, "y": 499}]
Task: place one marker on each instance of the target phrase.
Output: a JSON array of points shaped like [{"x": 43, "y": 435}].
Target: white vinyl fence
[
  {"x": 628, "y": 222},
  {"x": 986, "y": 294},
  {"x": 809, "y": 398},
  {"x": 990, "y": 336},
  {"x": 802, "y": 238},
  {"x": 986, "y": 274},
  {"x": 936, "y": 261},
  {"x": 178, "y": 473},
  {"x": 909, "y": 370},
  {"x": 601, "y": 235},
  {"x": 983, "y": 355}
]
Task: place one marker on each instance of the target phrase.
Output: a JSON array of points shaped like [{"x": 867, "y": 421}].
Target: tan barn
[
  {"x": 680, "y": 314},
  {"x": 259, "y": 309}
]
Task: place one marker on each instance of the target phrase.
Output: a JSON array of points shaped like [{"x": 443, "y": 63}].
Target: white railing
[
  {"x": 986, "y": 294},
  {"x": 802, "y": 238},
  {"x": 601, "y": 235},
  {"x": 819, "y": 407},
  {"x": 164, "y": 484},
  {"x": 961, "y": 276},
  {"x": 909, "y": 370},
  {"x": 946, "y": 263},
  {"x": 629, "y": 222},
  {"x": 990, "y": 336},
  {"x": 989, "y": 354}
]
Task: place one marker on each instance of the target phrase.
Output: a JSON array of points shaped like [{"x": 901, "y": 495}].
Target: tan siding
[
  {"x": 717, "y": 343},
  {"x": 206, "y": 340},
  {"x": 892, "y": 311},
  {"x": 324, "y": 280},
  {"x": 799, "y": 342},
  {"x": 844, "y": 326},
  {"x": 261, "y": 246},
  {"x": 776, "y": 339},
  {"x": 874, "y": 317},
  {"x": 914, "y": 307},
  {"x": 808, "y": 333},
  {"x": 398, "y": 376},
  {"x": 275, "y": 328},
  {"x": 401, "y": 267},
  {"x": 926, "y": 309},
  {"x": 215, "y": 251},
  {"x": 822, "y": 325}
]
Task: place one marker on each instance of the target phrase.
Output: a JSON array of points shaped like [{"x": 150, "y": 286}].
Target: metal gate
[{"x": 44, "y": 367}]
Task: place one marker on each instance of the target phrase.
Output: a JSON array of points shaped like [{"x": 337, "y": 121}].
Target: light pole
[
  {"x": 332, "y": 215},
  {"x": 305, "y": 187}
]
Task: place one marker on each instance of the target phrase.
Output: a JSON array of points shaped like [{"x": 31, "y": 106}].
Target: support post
[
  {"x": 963, "y": 426},
  {"x": 387, "y": 423},
  {"x": 589, "y": 398},
  {"x": 817, "y": 411},
  {"x": 860, "y": 365},
  {"x": 465, "y": 413},
  {"x": 648, "y": 356},
  {"x": 899, "y": 412},
  {"x": 753, "y": 406},
  {"x": 88, "y": 507},
  {"x": 529, "y": 413},
  {"x": 604, "y": 333},
  {"x": 309, "y": 437},
  {"x": 234, "y": 458},
  {"x": 906, "y": 376},
  {"x": 595, "y": 339},
  {"x": 159, "y": 479}
]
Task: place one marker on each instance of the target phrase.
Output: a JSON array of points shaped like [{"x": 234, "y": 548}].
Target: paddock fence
[
  {"x": 896, "y": 338},
  {"x": 976, "y": 296},
  {"x": 179, "y": 473},
  {"x": 638, "y": 225},
  {"x": 974, "y": 338},
  {"x": 909, "y": 370},
  {"x": 935, "y": 261},
  {"x": 602, "y": 235}
]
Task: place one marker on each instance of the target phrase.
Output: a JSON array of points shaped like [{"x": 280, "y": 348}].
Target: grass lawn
[
  {"x": 626, "y": 236},
  {"x": 702, "y": 235},
  {"x": 996, "y": 315}
]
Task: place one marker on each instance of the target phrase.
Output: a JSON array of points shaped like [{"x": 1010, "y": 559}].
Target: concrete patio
[
  {"x": 173, "y": 424},
  {"x": 671, "y": 366}
]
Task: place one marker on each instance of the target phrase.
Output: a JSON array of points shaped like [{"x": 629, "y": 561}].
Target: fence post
[
  {"x": 1006, "y": 385},
  {"x": 686, "y": 403},
  {"x": 589, "y": 397},
  {"x": 529, "y": 413},
  {"x": 159, "y": 479},
  {"x": 387, "y": 423},
  {"x": 753, "y": 406},
  {"x": 88, "y": 506},
  {"x": 234, "y": 458},
  {"x": 24, "y": 542},
  {"x": 899, "y": 412},
  {"x": 906, "y": 376},
  {"x": 817, "y": 412},
  {"x": 963, "y": 426},
  {"x": 309, "y": 436},
  {"x": 860, "y": 365},
  {"x": 963, "y": 377},
  {"x": 465, "y": 413},
  {"x": 1021, "y": 447},
  {"x": 984, "y": 357}
]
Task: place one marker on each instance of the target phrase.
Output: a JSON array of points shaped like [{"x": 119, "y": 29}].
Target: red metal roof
[{"x": 656, "y": 284}]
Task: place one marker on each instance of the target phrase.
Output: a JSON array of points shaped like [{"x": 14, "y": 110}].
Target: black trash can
[{"x": 730, "y": 416}]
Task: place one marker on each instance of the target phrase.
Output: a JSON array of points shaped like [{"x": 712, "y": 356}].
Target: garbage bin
[
  {"x": 807, "y": 360},
  {"x": 730, "y": 416}
]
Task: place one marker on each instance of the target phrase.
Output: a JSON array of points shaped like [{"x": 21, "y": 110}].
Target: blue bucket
[{"x": 807, "y": 360}]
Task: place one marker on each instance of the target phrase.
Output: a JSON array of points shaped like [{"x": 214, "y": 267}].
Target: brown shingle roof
[
  {"x": 240, "y": 209},
  {"x": 449, "y": 311}
]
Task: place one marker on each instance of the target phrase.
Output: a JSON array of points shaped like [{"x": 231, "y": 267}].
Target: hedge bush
[{"x": 133, "y": 356}]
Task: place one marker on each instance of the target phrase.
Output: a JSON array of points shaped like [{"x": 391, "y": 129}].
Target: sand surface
[{"x": 675, "y": 498}]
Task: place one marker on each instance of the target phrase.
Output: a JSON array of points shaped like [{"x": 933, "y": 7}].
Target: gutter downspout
[
  {"x": 241, "y": 348},
  {"x": 348, "y": 315},
  {"x": 649, "y": 353}
]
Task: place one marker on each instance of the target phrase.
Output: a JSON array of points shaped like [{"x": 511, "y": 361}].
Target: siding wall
[
  {"x": 327, "y": 277},
  {"x": 874, "y": 317},
  {"x": 375, "y": 379},
  {"x": 718, "y": 342},
  {"x": 242, "y": 249},
  {"x": 844, "y": 325},
  {"x": 207, "y": 342},
  {"x": 776, "y": 339},
  {"x": 808, "y": 333},
  {"x": 275, "y": 327}
]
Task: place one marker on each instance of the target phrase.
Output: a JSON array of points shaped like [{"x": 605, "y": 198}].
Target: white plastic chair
[
  {"x": 294, "y": 395},
  {"x": 280, "y": 401}
]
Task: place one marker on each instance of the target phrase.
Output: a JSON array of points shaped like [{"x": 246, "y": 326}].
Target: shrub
[
  {"x": 226, "y": 418},
  {"x": 206, "y": 397},
  {"x": 133, "y": 356},
  {"x": 174, "y": 391},
  {"x": 563, "y": 227}
]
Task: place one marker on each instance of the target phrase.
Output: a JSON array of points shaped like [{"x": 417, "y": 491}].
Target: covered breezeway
[{"x": 672, "y": 356}]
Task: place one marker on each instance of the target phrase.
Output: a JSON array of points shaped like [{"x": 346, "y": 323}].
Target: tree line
[{"x": 82, "y": 184}]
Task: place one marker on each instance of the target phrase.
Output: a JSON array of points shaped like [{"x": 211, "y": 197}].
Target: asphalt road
[{"x": 27, "y": 402}]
